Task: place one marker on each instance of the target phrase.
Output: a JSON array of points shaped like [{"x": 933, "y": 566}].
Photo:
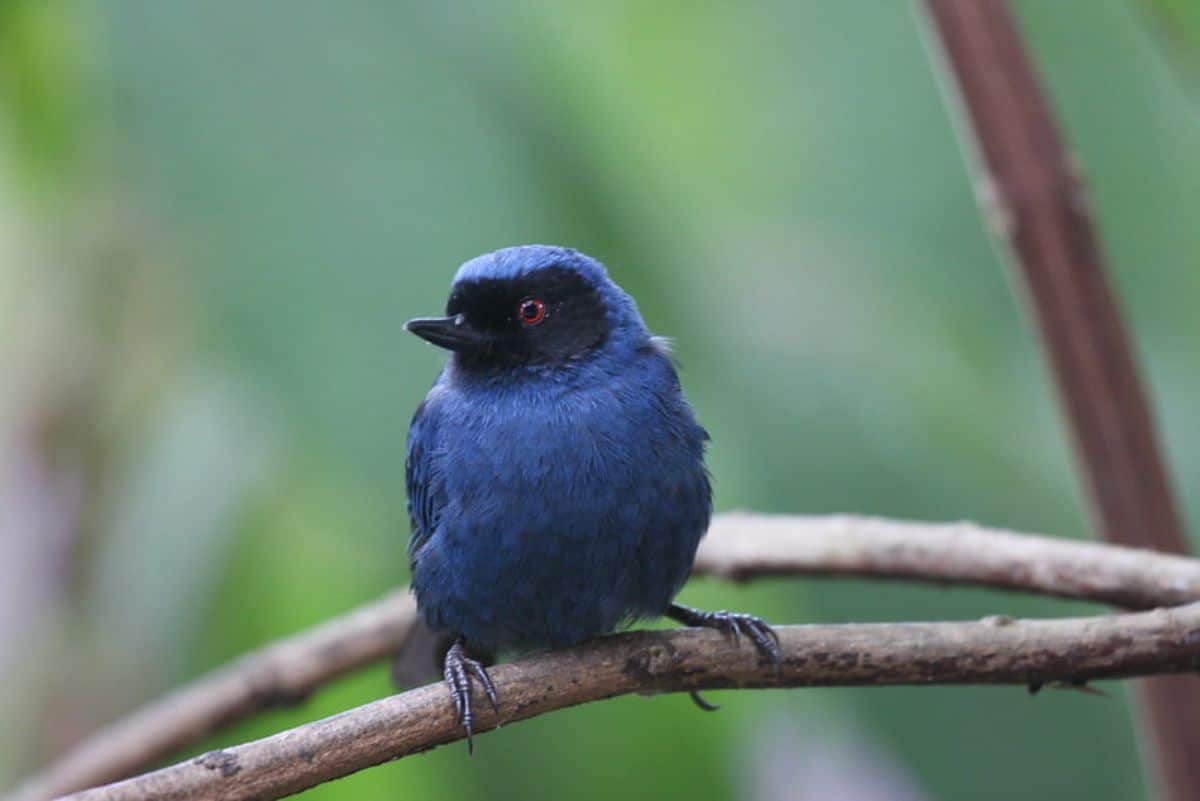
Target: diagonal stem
[{"x": 1033, "y": 197}]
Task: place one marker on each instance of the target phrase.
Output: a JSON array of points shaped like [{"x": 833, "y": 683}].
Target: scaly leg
[{"x": 459, "y": 669}]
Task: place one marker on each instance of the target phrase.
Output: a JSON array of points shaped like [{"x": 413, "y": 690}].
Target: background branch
[
  {"x": 1032, "y": 195},
  {"x": 993, "y": 651},
  {"x": 738, "y": 547},
  {"x": 741, "y": 546}
]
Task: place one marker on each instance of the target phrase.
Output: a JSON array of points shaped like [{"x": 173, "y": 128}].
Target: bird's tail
[{"x": 419, "y": 660}]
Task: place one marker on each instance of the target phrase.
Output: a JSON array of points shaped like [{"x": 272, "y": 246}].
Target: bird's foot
[
  {"x": 459, "y": 670},
  {"x": 733, "y": 623}
]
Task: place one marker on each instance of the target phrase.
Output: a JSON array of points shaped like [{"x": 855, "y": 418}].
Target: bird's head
[{"x": 531, "y": 305}]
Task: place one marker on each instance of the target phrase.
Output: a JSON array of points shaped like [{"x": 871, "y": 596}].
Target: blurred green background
[{"x": 215, "y": 216}]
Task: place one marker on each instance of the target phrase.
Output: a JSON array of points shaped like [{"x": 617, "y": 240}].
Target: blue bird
[{"x": 555, "y": 472}]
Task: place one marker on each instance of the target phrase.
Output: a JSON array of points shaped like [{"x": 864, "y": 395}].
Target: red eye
[{"x": 531, "y": 311}]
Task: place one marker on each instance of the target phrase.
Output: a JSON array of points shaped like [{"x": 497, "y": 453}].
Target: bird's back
[{"x": 547, "y": 510}]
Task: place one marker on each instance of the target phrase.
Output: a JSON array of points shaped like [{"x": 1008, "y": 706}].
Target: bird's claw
[
  {"x": 757, "y": 629},
  {"x": 459, "y": 670},
  {"x": 735, "y": 624},
  {"x": 700, "y": 701}
]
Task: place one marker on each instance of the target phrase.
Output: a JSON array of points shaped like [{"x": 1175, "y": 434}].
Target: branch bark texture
[
  {"x": 992, "y": 651},
  {"x": 280, "y": 674},
  {"x": 738, "y": 547},
  {"x": 1036, "y": 202}
]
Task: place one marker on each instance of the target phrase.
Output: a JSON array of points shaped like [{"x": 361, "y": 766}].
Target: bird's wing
[{"x": 422, "y": 478}]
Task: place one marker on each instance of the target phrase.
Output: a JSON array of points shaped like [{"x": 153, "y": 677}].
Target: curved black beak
[{"x": 452, "y": 333}]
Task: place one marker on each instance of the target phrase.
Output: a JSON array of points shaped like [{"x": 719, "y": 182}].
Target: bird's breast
[{"x": 562, "y": 447}]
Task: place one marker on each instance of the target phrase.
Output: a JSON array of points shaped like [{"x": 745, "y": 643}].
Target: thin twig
[
  {"x": 280, "y": 674},
  {"x": 992, "y": 651},
  {"x": 1033, "y": 195},
  {"x": 739, "y": 546}
]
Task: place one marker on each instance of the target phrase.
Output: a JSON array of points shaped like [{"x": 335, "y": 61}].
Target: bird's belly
[{"x": 540, "y": 557}]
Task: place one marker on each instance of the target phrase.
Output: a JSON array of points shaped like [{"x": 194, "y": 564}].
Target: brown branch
[
  {"x": 992, "y": 651},
  {"x": 280, "y": 674},
  {"x": 741, "y": 546},
  {"x": 1033, "y": 196},
  {"x": 738, "y": 546}
]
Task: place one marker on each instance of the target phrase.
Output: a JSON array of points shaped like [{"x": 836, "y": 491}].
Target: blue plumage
[{"x": 556, "y": 473}]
